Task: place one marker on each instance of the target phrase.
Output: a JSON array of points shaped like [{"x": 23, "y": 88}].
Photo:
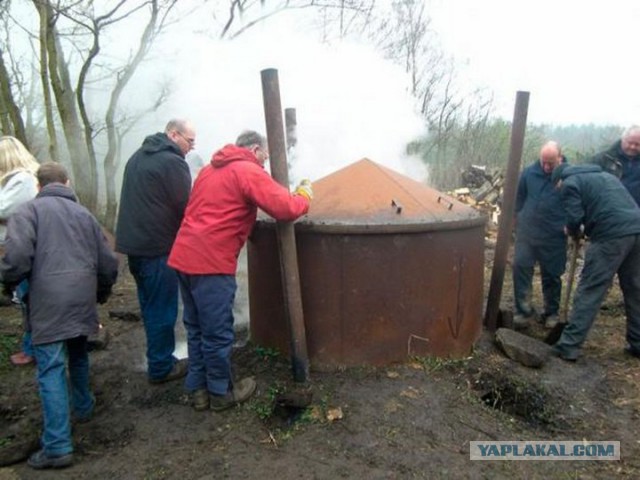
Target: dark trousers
[
  {"x": 552, "y": 258},
  {"x": 208, "y": 319},
  {"x": 158, "y": 296},
  {"x": 603, "y": 259}
]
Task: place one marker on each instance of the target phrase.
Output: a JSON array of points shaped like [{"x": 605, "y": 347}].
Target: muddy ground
[{"x": 407, "y": 421}]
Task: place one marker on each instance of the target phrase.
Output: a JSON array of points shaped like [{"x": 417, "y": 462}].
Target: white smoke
[{"x": 350, "y": 102}]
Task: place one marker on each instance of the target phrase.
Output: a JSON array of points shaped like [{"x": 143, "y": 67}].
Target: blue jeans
[
  {"x": 208, "y": 319},
  {"x": 27, "y": 345},
  {"x": 54, "y": 391},
  {"x": 158, "y": 296},
  {"x": 552, "y": 258},
  {"x": 603, "y": 259}
]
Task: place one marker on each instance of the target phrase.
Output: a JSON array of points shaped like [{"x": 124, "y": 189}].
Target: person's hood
[
  {"x": 4, "y": 179},
  {"x": 159, "y": 142},
  {"x": 565, "y": 170},
  {"x": 232, "y": 153},
  {"x": 57, "y": 190}
]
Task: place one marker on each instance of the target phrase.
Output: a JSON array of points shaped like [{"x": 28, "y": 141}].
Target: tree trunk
[
  {"x": 111, "y": 157},
  {"x": 10, "y": 118},
  {"x": 83, "y": 168},
  {"x": 46, "y": 90}
]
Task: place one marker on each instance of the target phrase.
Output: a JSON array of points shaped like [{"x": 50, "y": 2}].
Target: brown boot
[
  {"x": 200, "y": 400},
  {"x": 179, "y": 370},
  {"x": 241, "y": 392}
]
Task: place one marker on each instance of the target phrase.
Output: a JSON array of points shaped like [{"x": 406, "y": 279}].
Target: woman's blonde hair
[{"x": 14, "y": 156}]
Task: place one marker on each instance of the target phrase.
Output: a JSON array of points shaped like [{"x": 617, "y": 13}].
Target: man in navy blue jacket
[
  {"x": 598, "y": 204},
  {"x": 540, "y": 238},
  {"x": 155, "y": 191}
]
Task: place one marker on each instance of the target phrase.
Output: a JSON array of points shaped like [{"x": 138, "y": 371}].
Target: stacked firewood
[{"x": 482, "y": 189}]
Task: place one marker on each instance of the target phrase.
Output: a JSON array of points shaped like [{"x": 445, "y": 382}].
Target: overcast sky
[{"x": 577, "y": 59}]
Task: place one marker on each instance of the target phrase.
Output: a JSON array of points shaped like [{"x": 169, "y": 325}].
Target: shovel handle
[{"x": 573, "y": 261}]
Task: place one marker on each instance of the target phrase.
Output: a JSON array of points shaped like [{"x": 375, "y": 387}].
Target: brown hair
[{"x": 51, "y": 172}]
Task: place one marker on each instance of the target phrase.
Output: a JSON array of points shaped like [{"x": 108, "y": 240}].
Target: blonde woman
[{"x": 18, "y": 184}]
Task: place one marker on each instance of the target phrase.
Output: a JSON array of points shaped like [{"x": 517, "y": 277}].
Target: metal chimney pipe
[
  {"x": 285, "y": 230},
  {"x": 505, "y": 224}
]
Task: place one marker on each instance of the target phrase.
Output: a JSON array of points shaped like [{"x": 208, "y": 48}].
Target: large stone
[{"x": 522, "y": 348}]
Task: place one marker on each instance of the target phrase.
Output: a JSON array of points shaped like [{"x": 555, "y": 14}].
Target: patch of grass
[
  {"x": 309, "y": 416},
  {"x": 8, "y": 346},
  {"x": 267, "y": 353},
  {"x": 5, "y": 441},
  {"x": 156, "y": 472},
  {"x": 434, "y": 364},
  {"x": 263, "y": 407}
]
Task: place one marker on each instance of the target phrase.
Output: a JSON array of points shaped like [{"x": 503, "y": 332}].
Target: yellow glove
[{"x": 304, "y": 189}]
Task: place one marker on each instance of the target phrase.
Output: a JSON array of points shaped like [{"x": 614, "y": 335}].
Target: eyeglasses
[{"x": 190, "y": 141}]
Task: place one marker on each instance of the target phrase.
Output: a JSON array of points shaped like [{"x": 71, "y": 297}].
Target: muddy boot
[
  {"x": 550, "y": 321},
  {"x": 241, "y": 392},
  {"x": 200, "y": 400},
  {"x": 522, "y": 322},
  {"x": 41, "y": 460},
  {"x": 99, "y": 341},
  {"x": 179, "y": 370}
]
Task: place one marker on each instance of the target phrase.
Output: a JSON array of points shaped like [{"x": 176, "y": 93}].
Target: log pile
[{"x": 482, "y": 189}]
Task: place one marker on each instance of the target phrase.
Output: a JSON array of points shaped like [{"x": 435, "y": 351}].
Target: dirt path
[{"x": 408, "y": 421}]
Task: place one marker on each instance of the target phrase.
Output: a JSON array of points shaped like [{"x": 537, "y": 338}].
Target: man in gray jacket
[
  {"x": 58, "y": 245},
  {"x": 598, "y": 206}
]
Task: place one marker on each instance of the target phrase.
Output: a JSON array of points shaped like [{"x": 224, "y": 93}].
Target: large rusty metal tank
[{"x": 389, "y": 269}]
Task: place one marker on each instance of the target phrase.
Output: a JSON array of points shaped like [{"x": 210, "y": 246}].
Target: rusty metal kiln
[{"x": 389, "y": 269}]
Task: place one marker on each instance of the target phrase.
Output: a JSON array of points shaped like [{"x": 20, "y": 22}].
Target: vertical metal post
[
  {"x": 505, "y": 223},
  {"x": 285, "y": 230}
]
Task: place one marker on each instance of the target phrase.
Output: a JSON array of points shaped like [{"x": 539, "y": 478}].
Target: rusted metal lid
[{"x": 366, "y": 197}]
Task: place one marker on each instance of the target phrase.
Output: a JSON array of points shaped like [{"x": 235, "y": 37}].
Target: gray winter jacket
[
  {"x": 598, "y": 201},
  {"x": 58, "y": 245}
]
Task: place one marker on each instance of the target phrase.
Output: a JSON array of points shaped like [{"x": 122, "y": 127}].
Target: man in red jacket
[{"x": 220, "y": 214}]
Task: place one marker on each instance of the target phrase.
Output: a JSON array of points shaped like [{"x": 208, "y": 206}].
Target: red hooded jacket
[{"x": 222, "y": 211}]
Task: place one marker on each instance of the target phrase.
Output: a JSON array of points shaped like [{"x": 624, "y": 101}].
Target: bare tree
[
  {"x": 10, "y": 119},
  {"x": 455, "y": 119},
  {"x": 69, "y": 44},
  {"x": 339, "y": 15}
]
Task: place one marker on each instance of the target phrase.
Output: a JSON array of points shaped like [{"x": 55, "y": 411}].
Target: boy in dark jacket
[
  {"x": 58, "y": 245},
  {"x": 597, "y": 204}
]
